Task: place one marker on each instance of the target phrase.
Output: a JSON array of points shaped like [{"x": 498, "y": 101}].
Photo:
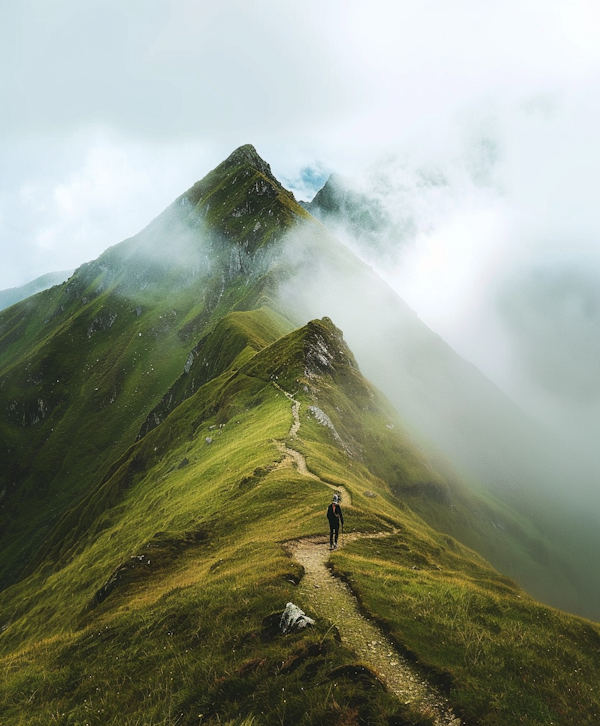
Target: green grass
[
  {"x": 176, "y": 287},
  {"x": 185, "y": 635},
  {"x": 101, "y": 350},
  {"x": 195, "y": 530},
  {"x": 509, "y": 659}
]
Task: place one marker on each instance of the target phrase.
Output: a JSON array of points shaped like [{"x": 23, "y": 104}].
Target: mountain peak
[{"x": 247, "y": 154}]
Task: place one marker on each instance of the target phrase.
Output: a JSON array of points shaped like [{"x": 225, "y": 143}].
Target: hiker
[{"x": 335, "y": 517}]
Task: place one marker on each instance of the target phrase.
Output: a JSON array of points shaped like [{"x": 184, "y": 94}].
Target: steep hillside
[
  {"x": 159, "y": 600},
  {"x": 235, "y": 338},
  {"x": 337, "y": 205},
  {"x": 164, "y": 429}
]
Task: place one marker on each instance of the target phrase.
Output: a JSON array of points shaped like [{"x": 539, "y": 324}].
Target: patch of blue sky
[{"x": 309, "y": 180}]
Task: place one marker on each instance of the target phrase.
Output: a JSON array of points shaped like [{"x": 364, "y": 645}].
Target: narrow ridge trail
[
  {"x": 295, "y": 457},
  {"x": 332, "y": 599}
]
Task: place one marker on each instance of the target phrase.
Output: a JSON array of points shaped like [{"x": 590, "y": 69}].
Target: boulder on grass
[{"x": 293, "y": 618}]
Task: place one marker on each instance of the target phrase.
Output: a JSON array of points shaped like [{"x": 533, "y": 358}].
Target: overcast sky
[{"x": 112, "y": 108}]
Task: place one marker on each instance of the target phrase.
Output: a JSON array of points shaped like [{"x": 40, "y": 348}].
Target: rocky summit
[{"x": 176, "y": 418}]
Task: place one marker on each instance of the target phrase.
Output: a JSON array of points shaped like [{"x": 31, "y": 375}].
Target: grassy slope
[
  {"x": 197, "y": 529},
  {"x": 82, "y": 365},
  {"x": 216, "y": 570},
  {"x": 234, "y": 339},
  {"x": 499, "y": 453},
  {"x": 511, "y": 659},
  {"x": 224, "y": 508}
]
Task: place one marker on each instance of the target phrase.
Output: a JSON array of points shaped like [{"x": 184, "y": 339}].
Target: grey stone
[{"x": 294, "y": 618}]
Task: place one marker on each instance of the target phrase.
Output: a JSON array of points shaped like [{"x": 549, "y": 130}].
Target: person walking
[{"x": 335, "y": 517}]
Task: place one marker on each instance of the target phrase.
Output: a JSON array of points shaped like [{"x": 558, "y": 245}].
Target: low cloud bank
[{"x": 496, "y": 246}]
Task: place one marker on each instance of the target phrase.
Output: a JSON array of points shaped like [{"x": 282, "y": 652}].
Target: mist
[
  {"x": 450, "y": 408},
  {"x": 94, "y": 143},
  {"x": 496, "y": 246}
]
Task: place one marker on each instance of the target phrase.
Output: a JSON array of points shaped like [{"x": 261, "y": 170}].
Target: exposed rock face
[
  {"x": 326, "y": 351},
  {"x": 104, "y": 321}
]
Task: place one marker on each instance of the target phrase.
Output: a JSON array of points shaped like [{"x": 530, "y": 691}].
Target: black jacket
[{"x": 335, "y": 517}]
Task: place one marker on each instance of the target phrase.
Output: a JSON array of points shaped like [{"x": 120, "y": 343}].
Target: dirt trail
[
  {"x": 293, "y": 457},
  {"x": 296, "y": 425},
  {"x": 332, "y": 599}
]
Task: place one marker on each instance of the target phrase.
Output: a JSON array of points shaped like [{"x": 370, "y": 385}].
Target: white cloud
[{"x": 109, "y": 190}]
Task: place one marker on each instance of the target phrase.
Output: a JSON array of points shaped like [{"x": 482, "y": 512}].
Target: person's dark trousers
[{"x": 333, "y": 532}]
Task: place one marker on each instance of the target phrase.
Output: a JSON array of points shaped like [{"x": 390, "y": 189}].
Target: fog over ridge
[{"x": 497, "y": 248}]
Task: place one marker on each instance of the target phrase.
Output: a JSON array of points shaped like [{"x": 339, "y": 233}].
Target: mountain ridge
[
  {"x": 121, "y": 297},
  {"x": 152, "y": 555},
  {"x": 150, "y": 579}
]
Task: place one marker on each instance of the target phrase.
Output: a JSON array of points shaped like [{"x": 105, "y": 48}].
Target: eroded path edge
[{"x": 332, "y": 599}]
